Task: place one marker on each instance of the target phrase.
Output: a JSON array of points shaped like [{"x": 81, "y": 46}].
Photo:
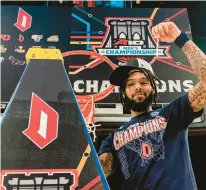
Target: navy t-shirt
[{"x": 151, "y": 151}]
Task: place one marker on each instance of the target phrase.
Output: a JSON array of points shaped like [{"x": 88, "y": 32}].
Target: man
[{"x": 151, "y": 150}]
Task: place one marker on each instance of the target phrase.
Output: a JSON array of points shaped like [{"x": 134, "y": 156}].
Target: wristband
[{"x": 181, "y": 40}]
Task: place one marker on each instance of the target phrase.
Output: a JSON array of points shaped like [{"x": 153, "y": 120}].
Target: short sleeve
[{"x": 182, "y": 112}]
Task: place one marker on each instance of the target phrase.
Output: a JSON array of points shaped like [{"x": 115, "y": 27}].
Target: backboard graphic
[{"x": 44, "y": 139}]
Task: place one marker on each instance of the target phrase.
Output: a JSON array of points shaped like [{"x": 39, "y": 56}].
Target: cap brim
[{"x": 118, "y": 76}]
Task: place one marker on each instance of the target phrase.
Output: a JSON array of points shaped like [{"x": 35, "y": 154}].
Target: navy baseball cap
[{"x": 118, "y": 76}]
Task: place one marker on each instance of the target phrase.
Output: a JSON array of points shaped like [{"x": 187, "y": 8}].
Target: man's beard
[{"x": 139, "y": 106}]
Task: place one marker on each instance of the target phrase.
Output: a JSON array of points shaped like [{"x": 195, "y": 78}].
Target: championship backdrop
[
  {"x": 93, "y": 42},
  {"x": 60, "y": 153}
]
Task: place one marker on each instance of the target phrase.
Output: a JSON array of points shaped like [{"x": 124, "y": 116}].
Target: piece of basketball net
[{"x": 87, "y": 109}]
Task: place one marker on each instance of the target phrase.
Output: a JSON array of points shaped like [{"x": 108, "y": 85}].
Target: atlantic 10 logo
[{"x": 130, "y": 38}]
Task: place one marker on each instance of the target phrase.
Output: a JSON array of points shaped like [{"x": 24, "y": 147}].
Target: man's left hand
[{"x": 166, "y": 32}]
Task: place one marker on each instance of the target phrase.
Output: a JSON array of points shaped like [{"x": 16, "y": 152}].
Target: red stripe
[
  {"x": 182, "y": 64},
  {"x": 176, "y": 14},
  {"x": 177, "y": 66},
  {"x": 75, "y": 66},
  {"x": 96, "y": 64},
  {"x": 85, "y": 37},
  {"x": 91, "y": 183},
  {"x": 90, "y": 67}
]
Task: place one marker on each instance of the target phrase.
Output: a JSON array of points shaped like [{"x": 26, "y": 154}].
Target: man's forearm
[
  {"x": 196, "y": 58},
  {"x": 106, "y": 160}
]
